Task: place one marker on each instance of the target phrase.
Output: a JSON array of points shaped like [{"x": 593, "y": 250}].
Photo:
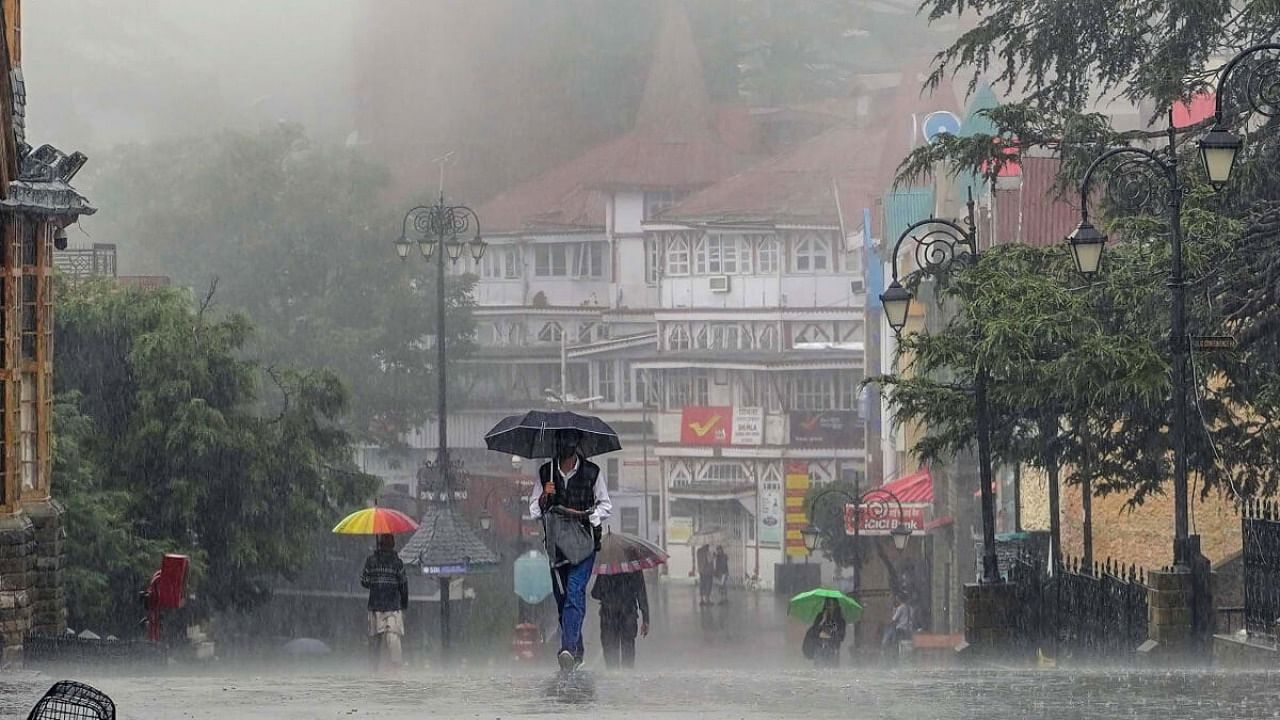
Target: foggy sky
[{"x": 104, "y": 72}]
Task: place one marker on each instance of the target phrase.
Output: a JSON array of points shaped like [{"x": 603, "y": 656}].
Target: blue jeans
[{"x": 570, "y": 588}]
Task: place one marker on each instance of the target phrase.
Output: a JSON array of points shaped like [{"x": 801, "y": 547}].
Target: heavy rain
[{"x": 678, "y": 358}]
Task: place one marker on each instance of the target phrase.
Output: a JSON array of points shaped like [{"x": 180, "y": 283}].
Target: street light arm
[
  {"x": 414, "y": 214},
  {"x": 938, "y": 244},
  {"x": 1226, "y": 74},
  {"x": 1170, "y": 172}
]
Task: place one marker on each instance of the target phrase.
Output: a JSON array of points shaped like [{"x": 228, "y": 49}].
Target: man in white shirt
[{"x": 571, "y": 489}]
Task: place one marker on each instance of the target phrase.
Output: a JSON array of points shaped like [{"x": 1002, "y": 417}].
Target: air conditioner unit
[{"x": 719, "y": 283}]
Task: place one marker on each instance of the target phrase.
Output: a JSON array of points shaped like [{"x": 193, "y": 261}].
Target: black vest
[{"x": 581, "y": 491}]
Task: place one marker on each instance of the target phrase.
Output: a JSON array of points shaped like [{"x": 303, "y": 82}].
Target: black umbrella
[{"x": 533, "y": 435}]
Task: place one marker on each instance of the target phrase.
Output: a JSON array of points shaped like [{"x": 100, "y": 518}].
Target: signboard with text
[
  {"x": 880, "y": 523},
  {"x": 721, "y": 425},
  {"x": 771, "y": 515},
  {"x": 796, "y": 483},
  {"x": 827, "y": 428},
  {"x": 706, "y": 425}
]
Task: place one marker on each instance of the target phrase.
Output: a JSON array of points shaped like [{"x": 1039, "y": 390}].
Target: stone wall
[
  {"x": 17, "y": 564},
  {"x": 1142, "y": 536},
  {"x": 48, "y": 599}
]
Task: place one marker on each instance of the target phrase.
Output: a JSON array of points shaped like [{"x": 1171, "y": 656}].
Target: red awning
[{"x": 914, "y": 488}]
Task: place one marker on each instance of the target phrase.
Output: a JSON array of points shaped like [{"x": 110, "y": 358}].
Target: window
[
  {"x": 550, "y": 260},
  {"x": 684, "y": 388},
  {"x": 501, "y": 263},
  {"x": 551, "y": 333},
  {"x": 652, "y": 260},
  {"x": 811, "y": 334},
  {"x": 847, "y": 391},
  {"x": 812, "y": 254},
  {"x": 607, "y": 381},
  {"x": 725, "y": 472},
  {"x": 631, "y": 520},
  {"x": 656, "y": 203},
  {"x": 590, "y": 260},
  {"x": 30, "y": 301},
  {"x": 748, "y": 395},
  {"x": 767, "y": 255},
  {"x": 722, "y": 255},
  {"x": 678, "y": 255},
  {"x": 655, "y": 509},
  {"x": 585, "y": 331},
  {"x": 27, "y": 430},
  {"x": 768, "y": 338},
  {"x": 726, "y": 337},
  {"x": 700, "y": 337},
  {"x": 678, "y": 337},
  {"x": 812, "y": 392},
  {"x": 611, "y": 475}
]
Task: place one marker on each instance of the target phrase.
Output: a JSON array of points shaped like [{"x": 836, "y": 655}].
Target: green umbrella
[{"x": 808, "y": 605}]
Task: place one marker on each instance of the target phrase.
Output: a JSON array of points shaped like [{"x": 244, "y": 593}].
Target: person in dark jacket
[
  {"x": 706, "y": 567},
  {"x": 722, "y": 574},
  {"x": 623, "y": 600},
  {"x": 571, "y": 486},
  {"x": 822, "y": 641},
  {"x": 384, "y": 577}
]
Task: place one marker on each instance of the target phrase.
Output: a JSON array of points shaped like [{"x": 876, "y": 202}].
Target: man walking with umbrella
[{"x": 573, "y": 498}]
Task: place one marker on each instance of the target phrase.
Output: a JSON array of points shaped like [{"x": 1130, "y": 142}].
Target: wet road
[
  {"x": 733, "y": 661},
  {"x": 677, "y": 695}
]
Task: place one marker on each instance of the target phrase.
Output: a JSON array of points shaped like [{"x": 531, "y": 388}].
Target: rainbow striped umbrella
[{"x": 375, "y": 521}]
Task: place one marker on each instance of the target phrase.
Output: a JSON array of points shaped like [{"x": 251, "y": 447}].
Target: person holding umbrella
[
  {"x": 384, "y": 577},
  {"x": 829, "y": 611},
  {"x": 620, "y": 588},
  {"x": 572, "y": 497}
]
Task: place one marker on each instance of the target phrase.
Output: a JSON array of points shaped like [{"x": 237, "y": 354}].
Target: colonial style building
[{"x": 38, "y": 202}]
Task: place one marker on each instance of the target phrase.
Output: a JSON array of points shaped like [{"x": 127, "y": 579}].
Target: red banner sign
[
  {"x": 875, "y": 523},
  {"x": 706, "y": 425}
]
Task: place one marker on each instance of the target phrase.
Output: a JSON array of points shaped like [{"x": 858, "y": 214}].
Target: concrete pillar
[
  {"x": 17, "y": 562},
  {"x": 1173, "y": 633},
  {"x": 990, "y": 620},
  {"x": 48, "y": 598}
]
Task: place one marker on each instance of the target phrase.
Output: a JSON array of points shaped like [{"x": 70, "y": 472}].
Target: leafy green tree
[
  {"x": 1057, "y": 57},
  {"x": 179, "y": 443},
  {"x": 295, "y": 236}
]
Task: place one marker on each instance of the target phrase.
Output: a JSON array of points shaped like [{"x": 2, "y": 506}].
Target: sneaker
[{"x": 566, "y": 660}]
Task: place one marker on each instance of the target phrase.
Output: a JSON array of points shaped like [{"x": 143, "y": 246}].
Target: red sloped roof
[
  {"x": 570, "y": 197},
  {"x": 1034, "y": 212},
  {"x": 797, "y": 186},
  {"x": 914, "y": 488}
]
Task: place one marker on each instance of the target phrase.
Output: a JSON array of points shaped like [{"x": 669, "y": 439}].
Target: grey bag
[{"x": 568, "y": 539}]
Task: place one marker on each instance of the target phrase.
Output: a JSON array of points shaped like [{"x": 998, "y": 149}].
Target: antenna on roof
[{"x": 445, "y": 160}]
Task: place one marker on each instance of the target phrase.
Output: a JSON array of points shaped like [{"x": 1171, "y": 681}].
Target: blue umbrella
[{"x": 533, "y": 577}]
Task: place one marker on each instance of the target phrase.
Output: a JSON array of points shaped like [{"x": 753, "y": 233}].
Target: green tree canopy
[
  {"x": 171, "y": 440},
  {"x": 1057, "y": 58},
  {"x": 295, "y": 235}
]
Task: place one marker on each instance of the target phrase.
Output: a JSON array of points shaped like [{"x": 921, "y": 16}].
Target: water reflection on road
[{"x": 679, "y": 694}]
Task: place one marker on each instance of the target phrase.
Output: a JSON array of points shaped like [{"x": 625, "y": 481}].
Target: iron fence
[
  {"x": 1079, "y": 613},
  {"x": 1260, "y": 531}
]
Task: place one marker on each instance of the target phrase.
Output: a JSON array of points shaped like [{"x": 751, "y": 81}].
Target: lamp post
[
  {"x": 876, "y": 503},
  {"x": 1133, "y": 186},
  {"x": 1220, "y": 147},
  {"x": 938, "y": 244},
  {"x": 431, "y": 227}
]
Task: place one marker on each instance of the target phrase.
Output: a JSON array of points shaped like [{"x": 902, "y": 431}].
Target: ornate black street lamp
[
  {"x": 1134, "y": 184},
  {"x": 1220, "y": 147},
  {"x": 938, "y": 245},
  {"x": 876, "y": 504},
  {"x": 432, "y": 226},
  {"x": 444, "y": 545}
]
